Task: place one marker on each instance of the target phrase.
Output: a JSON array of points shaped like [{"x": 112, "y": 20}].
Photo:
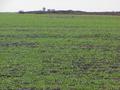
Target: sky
[{"x": 84, "y": 5}]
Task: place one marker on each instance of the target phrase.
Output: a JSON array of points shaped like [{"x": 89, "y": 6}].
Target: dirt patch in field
[
  {"x": 116, "y": 79},
  {"x": 39, "y": 88},
  {"x": 94, "y": 65},
  {"x": 90, "y": 47},
  {"x": 15, "y": 70},
  {"x": 18, "y": 44},
  {"x": 31, "y": 36},
  {"x": 28, "y": 89},
  {"x": 94, "y": 36}
]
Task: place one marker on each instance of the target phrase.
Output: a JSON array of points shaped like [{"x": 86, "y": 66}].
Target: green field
[{"x": 59, "y": 52}]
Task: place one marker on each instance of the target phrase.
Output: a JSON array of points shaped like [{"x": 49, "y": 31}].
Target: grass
[{"x": 59, "y": 52}]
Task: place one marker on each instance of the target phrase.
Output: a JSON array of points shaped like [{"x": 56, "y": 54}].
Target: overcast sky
[{"x": 85, "y": 5}]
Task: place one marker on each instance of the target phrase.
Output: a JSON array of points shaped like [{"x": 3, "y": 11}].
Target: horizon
[{"x": 86, "y": 5}]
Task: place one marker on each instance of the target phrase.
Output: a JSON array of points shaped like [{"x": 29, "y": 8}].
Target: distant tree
[
  {"x": 21, "y": 11},
  {"x": 44, "y": 9},
  {"x": 48, "y": 10}
]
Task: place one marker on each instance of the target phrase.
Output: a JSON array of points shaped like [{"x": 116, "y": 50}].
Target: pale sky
[{"x": 84, "y": 5}]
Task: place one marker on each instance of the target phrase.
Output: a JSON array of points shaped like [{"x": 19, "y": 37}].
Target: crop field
[{"x": 59, "y": 52}]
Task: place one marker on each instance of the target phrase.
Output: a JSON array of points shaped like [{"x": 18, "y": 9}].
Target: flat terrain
[{"x": 59, "y": 52}]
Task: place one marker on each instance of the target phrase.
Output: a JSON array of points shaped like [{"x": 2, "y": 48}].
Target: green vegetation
[{"x": 59, "y": 52}]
